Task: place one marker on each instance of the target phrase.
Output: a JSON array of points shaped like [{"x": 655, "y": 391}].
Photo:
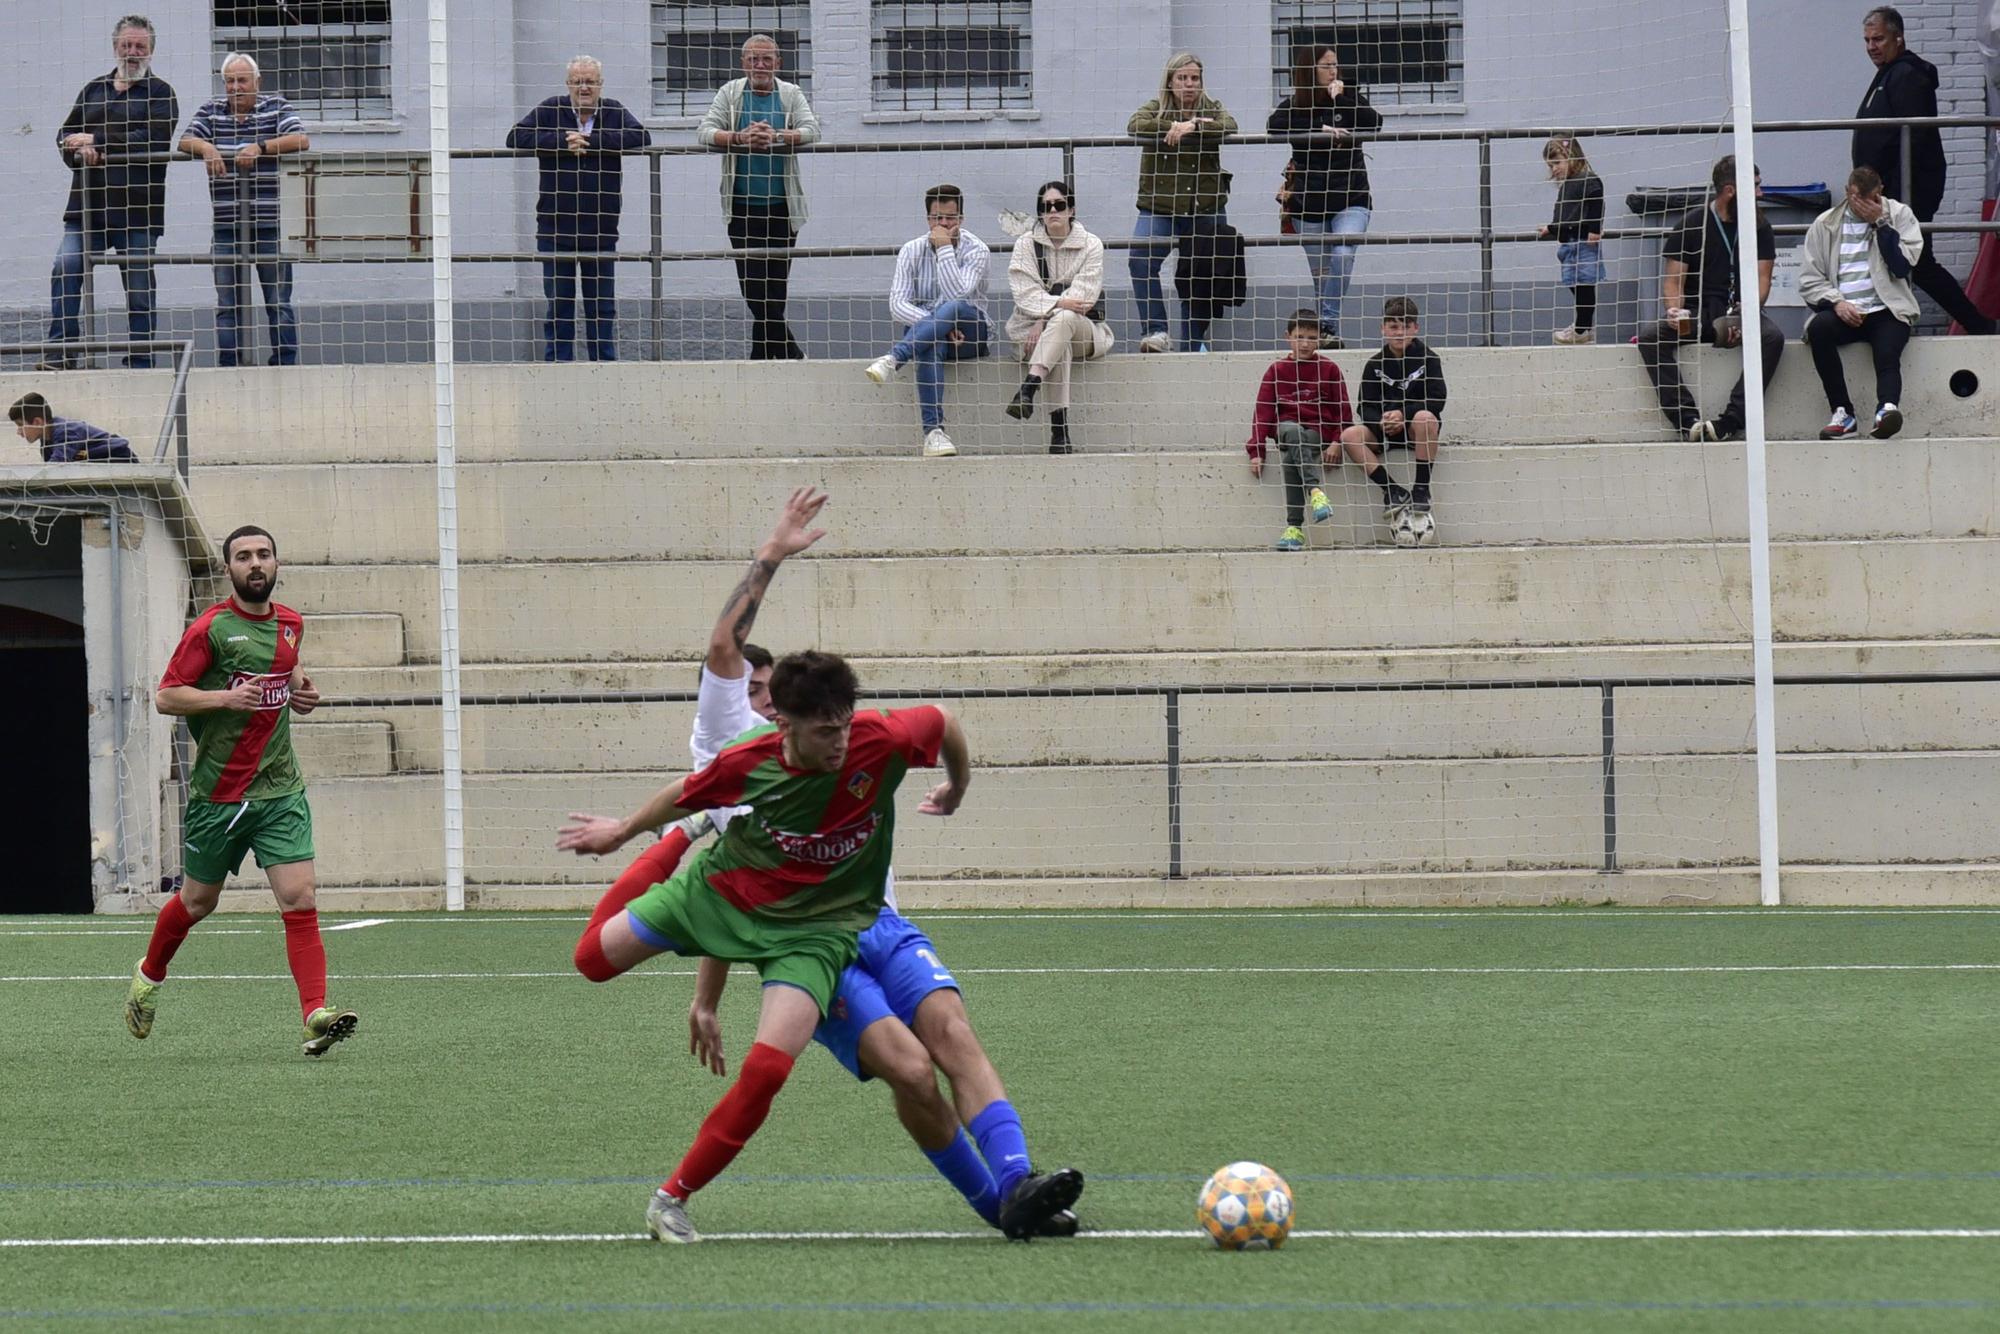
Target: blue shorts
[
  {"x": 1582, "y": 263},
  {"x": 898, "y": 967}
]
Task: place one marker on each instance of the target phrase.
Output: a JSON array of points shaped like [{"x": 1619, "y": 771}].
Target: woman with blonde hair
[{"x": 1182, "y": 192}]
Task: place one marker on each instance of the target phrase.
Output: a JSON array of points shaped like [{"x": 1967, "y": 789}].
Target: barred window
[
  {"x": 1399, "y": 52},
  {"x": 698, "y": 47},
  {"x": 328, "y": 58},
  {"x": 951, "y": 55}
]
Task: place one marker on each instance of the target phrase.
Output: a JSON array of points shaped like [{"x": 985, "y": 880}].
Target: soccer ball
[
  {"x": 1246, "y": 1207},
  {"x": 1414, "y": 528}
]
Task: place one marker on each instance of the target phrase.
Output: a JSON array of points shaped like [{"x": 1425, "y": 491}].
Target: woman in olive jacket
[{"x": 1182, "y": 191}]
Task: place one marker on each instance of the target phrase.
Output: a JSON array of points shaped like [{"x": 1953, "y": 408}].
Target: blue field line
[
  {"x": 1830, "y": 1306},
  {"x": 1190, "y": 1180}
]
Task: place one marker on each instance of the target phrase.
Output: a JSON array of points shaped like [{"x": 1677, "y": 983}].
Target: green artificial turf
[{"x": 1553, "y": 1081}]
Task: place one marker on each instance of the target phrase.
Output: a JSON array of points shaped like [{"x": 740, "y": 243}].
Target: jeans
[
  {"x": 560, "y": 280},
  {"x": 765, "y": 280},
  {"x": 1158, "y": 232},
  {"x": 1332, "y": 263},
  {"x": 66, "y": 283},
  {"x": 232, "y": 292},
  {"x": 1826, "y": 333},
  {"x": 929, "y": 344},
  {"x": 1659, "y": 348}
]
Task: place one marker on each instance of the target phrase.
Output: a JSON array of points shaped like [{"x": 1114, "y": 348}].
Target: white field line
[
  {"x": 356, "y": 926},
  {"x": 1331, "y": 970},
  {"x": 1109, "y": 1234},
  {"x": 530, "y": 917},
  {"x": 147, "y": 931}
]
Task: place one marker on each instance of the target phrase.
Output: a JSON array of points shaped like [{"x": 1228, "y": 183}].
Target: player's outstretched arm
[
  {"x": 793, "y": 534},
  {"x": 704, "y": 1028},
  {"x": 957, "y": 756},
  {"x": 588, "y": 834}
]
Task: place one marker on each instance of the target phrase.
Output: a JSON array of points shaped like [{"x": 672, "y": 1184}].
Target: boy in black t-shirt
[{"x": 1702, "y": 289}]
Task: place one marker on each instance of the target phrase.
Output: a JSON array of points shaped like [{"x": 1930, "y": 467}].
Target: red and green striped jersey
[
  {"x": 812, "y": 847},
  {"x": 241, "y": 756}
]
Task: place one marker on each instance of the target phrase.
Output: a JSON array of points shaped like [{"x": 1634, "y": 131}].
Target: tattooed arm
[{"x": 793, "y": 534}]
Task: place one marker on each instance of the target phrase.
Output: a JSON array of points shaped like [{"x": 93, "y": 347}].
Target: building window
[
  {"x": 1399, "y": 52},
  {"x": 698, "y": 47},
  {"x": 952, "y": 55},
  {"x": 328, "y": 58}
]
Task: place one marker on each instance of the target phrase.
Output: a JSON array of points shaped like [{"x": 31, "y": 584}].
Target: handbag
[{"x": 1096, "y": 312}]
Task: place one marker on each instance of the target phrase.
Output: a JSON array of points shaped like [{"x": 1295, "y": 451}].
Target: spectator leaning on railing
[
  {"x": 577, "y": 137},
  {"x": 938, "y": 295},
  {"x": 63, "y": 440},
  {"x": 1856, "y": 269},
  {"x": 1182, "y": 192},
  {"x": 239, "y": 137},
  {"x": 115, "y": 139},
  {"x": 1905, "y": 85},
  {"x": 759, "y": 119}
]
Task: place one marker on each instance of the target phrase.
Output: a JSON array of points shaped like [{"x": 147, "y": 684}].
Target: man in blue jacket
[
  {"x": 1905, "y": 85},
  {"x": 62, "y": 440},
  {"x": 115, "y": 142},
  {"x": 577, "y": 137}
]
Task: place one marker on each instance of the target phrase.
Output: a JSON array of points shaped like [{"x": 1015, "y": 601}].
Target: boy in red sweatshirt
[{"x": 1302, "y": 409}]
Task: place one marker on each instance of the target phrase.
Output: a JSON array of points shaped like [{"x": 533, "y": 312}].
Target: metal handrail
[{"x": 1170, "y": 698}]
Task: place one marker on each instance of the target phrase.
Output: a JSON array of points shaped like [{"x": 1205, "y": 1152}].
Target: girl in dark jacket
[{"x": 1329, "y": 179}]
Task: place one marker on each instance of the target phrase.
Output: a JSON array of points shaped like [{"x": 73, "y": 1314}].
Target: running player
[
  {"x": 897, "y": 985},
  {"x": 236, "y": 678}
]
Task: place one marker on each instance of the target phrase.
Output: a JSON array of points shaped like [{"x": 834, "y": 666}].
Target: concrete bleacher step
[
  {"x": 347, "y": 414},
  {"x": 1185, "y": 501},
  {"x": 348, "y": 638},
  {"x": 1383, "y": 598},
  {"x": 1324, "y": 818},
  {"x": 345, "y": 748}
]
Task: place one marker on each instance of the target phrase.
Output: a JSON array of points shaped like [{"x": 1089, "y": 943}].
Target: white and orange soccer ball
[{"x": 1246, "y": 1207}]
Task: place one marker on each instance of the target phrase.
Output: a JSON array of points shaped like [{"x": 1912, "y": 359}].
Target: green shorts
[
  {"x": 217, "y": 834},
  {"x": 687, "y": 917}
]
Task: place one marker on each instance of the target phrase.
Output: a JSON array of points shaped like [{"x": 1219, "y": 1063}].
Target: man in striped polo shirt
[
  {"x": 1857, "y": 276},
  {"x": 236, "y": 678},
  {"x": 938, "y": 295},
  {"x": 240, "y": 136}
]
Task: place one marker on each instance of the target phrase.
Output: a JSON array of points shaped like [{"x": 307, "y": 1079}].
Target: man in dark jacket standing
[
  {"x": 577, "y": 138},
  {"x": 1906, "y": 84},
  {"x": 115, "y": 141}
]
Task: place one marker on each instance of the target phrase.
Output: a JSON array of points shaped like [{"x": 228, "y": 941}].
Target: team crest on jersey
[
  {"x": 291, "y": 637},
  {"x": 859, "y": 785}
]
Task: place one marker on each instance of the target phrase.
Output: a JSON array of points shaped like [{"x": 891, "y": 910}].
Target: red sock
[
  {"x": 734, "y": 1120},
  {"x": 170, "y": 928},
  {"x": 307, "y": 956},
  {"x": 649, "y": 868}
]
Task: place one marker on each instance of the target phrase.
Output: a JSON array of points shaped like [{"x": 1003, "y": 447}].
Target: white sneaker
[
  {"x": 1157, "y": 342},
  {"x": 1888, "y": 421},
  {"x": 938, "y": 445},
  {"x": 1575, "y": 337},
  {"x": 883, "y": 369},
  {"x": 667, "y": 1220}
]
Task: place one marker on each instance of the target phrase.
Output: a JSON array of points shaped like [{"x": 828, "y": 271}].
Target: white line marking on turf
[
  {"x": 1108, "y": 1234},
  {"x": 146, "y": 931},
  {"x": 356, "y": 926},
  {"x": 1326, "y": 970}
]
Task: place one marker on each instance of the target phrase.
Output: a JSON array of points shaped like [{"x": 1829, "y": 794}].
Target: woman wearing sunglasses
[{"x": 1057, "y": 277}]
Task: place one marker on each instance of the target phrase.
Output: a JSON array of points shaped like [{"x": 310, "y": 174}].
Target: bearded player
[{"x": 237, "y": 679}]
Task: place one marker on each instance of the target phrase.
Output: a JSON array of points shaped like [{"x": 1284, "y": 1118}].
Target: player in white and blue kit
[{"x": 898, "y": 975}]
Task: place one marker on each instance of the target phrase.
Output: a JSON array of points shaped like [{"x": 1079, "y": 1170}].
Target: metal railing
[
  {"x": 174, "y": 424},
  {"x": 1170, "y": 697},
  {"x": 657, "y": 256}
]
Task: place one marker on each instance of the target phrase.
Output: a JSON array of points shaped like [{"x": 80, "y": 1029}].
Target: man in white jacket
[
  {"x": 938, "y": 295},
  {"x": 1859, "y": 255}
]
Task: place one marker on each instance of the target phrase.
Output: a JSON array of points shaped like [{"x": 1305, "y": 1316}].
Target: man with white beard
[{"x": 115, "y": 141}]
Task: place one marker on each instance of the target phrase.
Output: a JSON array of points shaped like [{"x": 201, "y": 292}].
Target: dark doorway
[{"x": 47, "y": 825}]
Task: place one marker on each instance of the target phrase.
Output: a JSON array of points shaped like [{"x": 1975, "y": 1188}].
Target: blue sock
[
  {"x": 958, "y": 1163},
  {"x": 1005, "y": 1144}
]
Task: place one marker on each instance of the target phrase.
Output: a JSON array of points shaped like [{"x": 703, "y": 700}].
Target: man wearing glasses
[
  {"x": 758, "y": 120},
  {"x": 577, "y": 137},
  {"x": 939, "y": 297}
]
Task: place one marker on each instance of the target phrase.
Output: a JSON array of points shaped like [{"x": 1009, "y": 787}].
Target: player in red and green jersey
[
  {"x": 237, "y": 679},
  {"x": 797, "y": 873}
]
